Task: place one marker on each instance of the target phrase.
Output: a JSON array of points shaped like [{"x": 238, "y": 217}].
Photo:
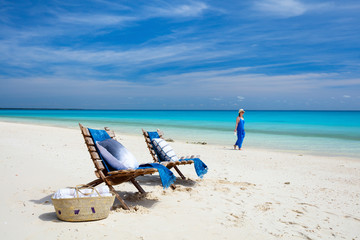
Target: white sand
[{"x": 244, "y": 195}]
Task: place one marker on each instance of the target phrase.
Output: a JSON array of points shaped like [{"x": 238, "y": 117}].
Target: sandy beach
[{"x": 249, "y": 194}]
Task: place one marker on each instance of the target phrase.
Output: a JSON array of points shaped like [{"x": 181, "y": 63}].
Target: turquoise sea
[{"x": 334, "y": 133}]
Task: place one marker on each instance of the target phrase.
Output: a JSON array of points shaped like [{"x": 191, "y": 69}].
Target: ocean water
[{"x": 334, "y": 133}]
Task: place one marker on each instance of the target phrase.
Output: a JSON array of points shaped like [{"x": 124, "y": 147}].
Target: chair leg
[
  {"x": 137, "y": 185},
  {"x": 123, "y": 204},
  {"x": 180, "y": 173},
  {"x": 95, "y": 182}
]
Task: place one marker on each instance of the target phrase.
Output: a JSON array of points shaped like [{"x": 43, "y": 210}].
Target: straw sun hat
[{"x": 241, "y": 110}]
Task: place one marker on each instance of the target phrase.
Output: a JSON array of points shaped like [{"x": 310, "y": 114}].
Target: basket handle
[{"x": 78, "y": 187}]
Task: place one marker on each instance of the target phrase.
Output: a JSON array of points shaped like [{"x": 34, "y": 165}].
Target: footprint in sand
[
  {"x": 235, "y": 219},
  {"x": 299, "y": 213},
  {"x": 264, "y": 207},
  {"x": 308, "y": 204},
  {"x": 183, "y": 189},
  {"x": 241, "y": 185},
  {"x": 133, "y": 209},
  {"x": 356, "y": 219},
  {"x": 222, "y": 189}
]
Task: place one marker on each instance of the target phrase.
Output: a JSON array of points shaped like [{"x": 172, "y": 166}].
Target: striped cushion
[{"x": 164, "y": 150}]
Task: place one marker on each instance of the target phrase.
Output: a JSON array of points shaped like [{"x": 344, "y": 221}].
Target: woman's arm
[{"x": 237, "y": 123}]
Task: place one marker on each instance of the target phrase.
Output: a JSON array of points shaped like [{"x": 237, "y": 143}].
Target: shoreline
[
  {"x": 251, "y": 194},
  {"x": 281, "y": 150},
  {"x": 233, "y": 110}
]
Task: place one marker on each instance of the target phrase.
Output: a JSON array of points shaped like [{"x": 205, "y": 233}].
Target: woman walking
[{"x": 239, "y": 128}]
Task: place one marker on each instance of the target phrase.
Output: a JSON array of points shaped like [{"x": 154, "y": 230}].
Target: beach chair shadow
[
  {"x": 173, "y": 164},
  {"x": 152, "y": 181},
  {"x": 112, "y": 178},
  {"x": 138, "y": 198}
]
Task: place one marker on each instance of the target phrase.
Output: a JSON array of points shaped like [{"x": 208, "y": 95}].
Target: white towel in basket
[
  {"x": 64, "y": 193},
  {"x": 104, "y": 191}
]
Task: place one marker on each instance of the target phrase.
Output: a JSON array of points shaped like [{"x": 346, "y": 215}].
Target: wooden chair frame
[
  {"x": 169, "y": 165},
  {"x": 111, "y": 178}
]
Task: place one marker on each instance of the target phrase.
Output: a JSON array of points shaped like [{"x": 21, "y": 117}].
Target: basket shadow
[
  {"x": 44, "y": 201},
  {"x": 49, "y": 217},
  {"x": 132, "y": 198}
]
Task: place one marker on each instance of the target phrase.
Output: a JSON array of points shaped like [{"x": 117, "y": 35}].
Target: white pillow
[
  {"x": 164, "y": 150},
  {"x": 116, "y": 155}
]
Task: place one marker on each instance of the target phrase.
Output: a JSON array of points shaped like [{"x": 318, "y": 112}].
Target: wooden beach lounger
[
  {"x": 114, "y": 177},
  {"x": 166, "y": 163}
]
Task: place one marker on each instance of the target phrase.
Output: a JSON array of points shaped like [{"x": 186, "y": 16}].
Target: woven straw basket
[{"x": 83, "y": 208}]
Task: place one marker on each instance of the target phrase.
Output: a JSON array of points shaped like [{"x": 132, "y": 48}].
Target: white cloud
[
  {"x": 240, "y": 98},
  {"x": 188, "y": 53},
  {"x": 346, "y": 96},
  {"x": 95, "y": 19},
  {"x": 293, "y": 8},
  {"x": 174, "y": 86},
  {"x": 221, "y": 82},
  {"x": 281, "y": 8},
  {"x": 192, "y": 9}
]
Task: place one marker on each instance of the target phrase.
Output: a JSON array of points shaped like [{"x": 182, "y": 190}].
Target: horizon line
[{"x": 85, "y": 109}]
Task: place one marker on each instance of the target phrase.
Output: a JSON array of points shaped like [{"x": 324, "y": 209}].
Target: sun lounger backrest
[
  {"x": 110, "y": 132},
  {"x": 150, "y": 145},
  {"x": 95, "y": 157}
]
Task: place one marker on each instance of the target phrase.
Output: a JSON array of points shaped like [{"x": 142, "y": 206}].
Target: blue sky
[{"x": 258, "y": 54}]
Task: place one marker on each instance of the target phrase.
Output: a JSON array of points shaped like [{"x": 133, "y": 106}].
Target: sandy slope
[{"x": 249, "y": 194}]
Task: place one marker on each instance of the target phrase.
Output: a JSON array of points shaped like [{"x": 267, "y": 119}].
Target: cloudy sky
[{"x": 255, "y": 54}]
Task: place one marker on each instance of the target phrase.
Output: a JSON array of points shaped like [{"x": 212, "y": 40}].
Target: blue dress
[{"x": 240, "y": 133}]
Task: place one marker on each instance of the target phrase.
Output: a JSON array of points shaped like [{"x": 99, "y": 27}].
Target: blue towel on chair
[
  {"x": 166, "y": 176},
  {"x": 200, "y": 167},
  {"x": 98, "y": 135}
]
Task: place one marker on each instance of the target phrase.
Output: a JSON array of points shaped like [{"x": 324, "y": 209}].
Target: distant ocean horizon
[{"x": 329, "y": 133}]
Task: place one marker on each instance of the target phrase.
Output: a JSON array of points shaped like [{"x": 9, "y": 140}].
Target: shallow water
[{"x": 316, "y": 132}]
